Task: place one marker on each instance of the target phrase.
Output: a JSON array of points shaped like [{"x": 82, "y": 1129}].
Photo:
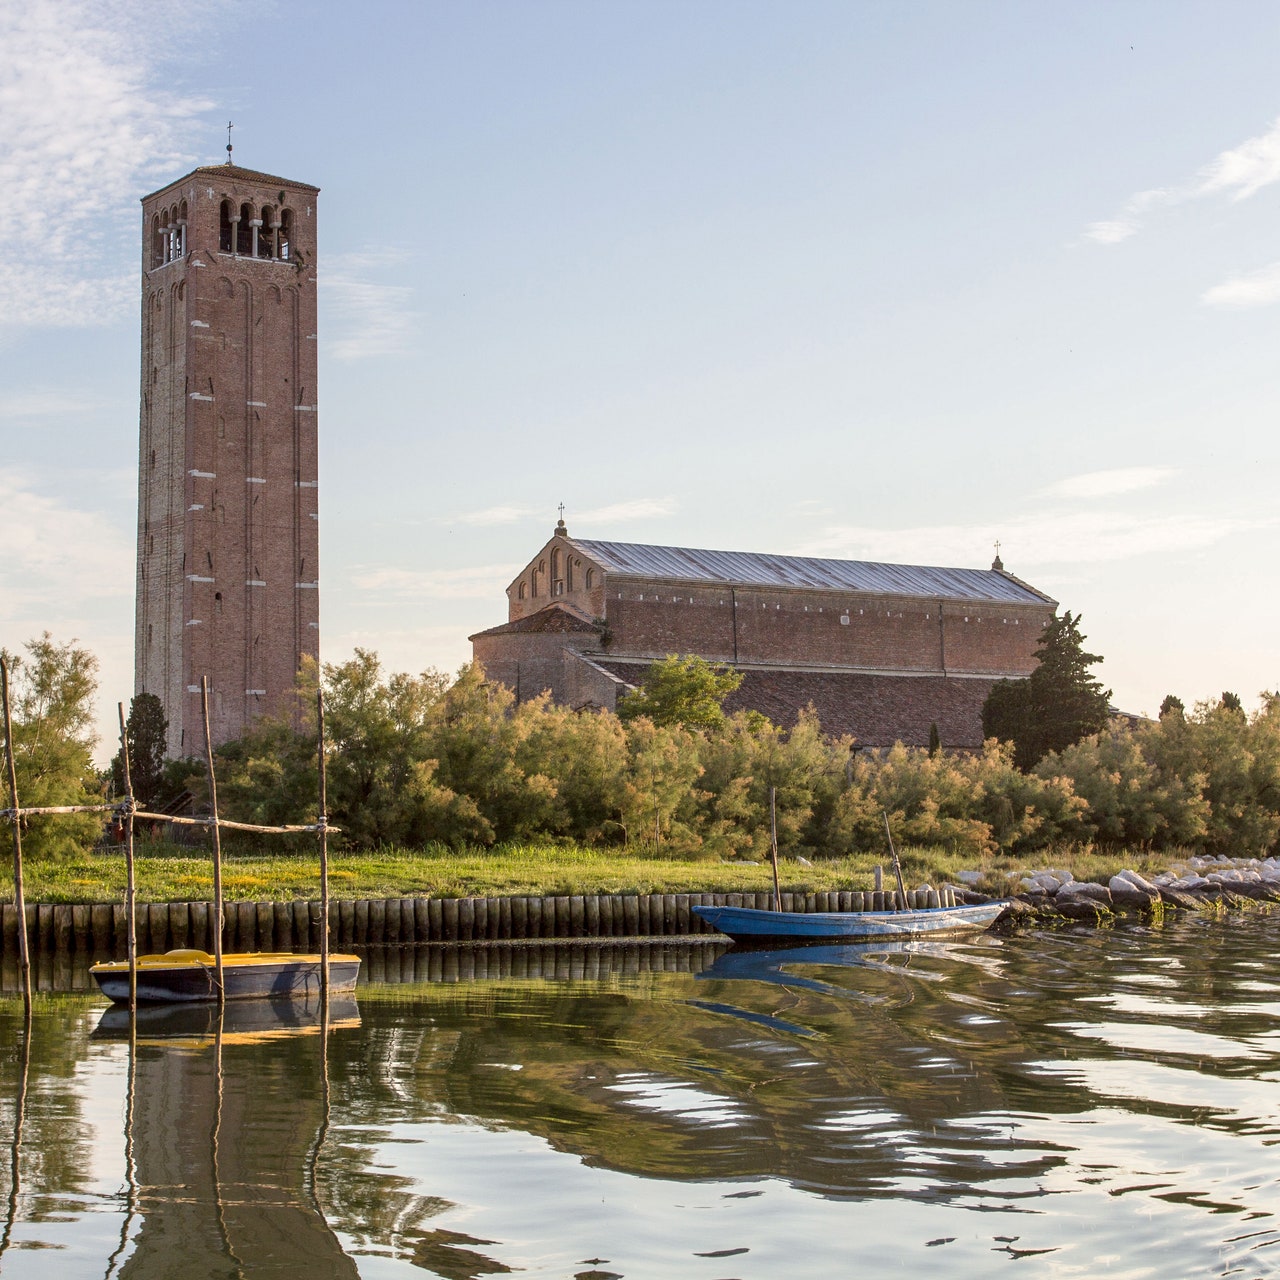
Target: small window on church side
[
  {"x": 533, "y": 584},
  {"x": 590, "y": 579},
  {"x": 520, "y": 592}
]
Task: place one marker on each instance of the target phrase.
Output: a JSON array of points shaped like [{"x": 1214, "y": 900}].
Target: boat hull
[
  {"x": 185, "y": 976},
  {"x": 747, "y": 924}
]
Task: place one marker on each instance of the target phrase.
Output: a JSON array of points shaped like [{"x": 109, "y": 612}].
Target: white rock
[{"x": 1136, "y": 880}]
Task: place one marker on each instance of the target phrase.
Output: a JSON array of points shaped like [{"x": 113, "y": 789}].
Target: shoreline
[{"x": 1043, "y": 897}]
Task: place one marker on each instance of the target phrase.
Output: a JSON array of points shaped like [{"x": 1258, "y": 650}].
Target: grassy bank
[{"x": 171, "y": 874}]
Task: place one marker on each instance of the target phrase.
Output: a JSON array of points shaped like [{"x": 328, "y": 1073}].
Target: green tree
[
  {"x": 51, "y": 700},
  {"x": 146, "y": 731},
  {"x": 687, "y": 691},
  {"x": 1172, "y": 706},
  {"x": 1054, "y": 707},
  {"x": 1231, "y": 702},
  {"x": 935, "y": 739}
]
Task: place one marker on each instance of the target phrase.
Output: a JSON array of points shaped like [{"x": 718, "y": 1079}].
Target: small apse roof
[{"x": 755, "y": 569}]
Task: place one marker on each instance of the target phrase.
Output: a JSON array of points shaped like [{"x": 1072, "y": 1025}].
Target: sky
[{"x": 880, "y": 281}]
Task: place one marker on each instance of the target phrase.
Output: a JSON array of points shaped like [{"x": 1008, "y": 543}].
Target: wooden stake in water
[
  {"x": 217, "y": 841},
  {"x": 323, "y": 832},
  {"x": 131, "y": 886},
  {"x": 19, "y": 898},
  {"x": 773, "y": 846}
]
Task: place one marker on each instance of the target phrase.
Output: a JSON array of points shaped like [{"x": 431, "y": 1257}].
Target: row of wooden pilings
[{"x": 102, "y": 928}]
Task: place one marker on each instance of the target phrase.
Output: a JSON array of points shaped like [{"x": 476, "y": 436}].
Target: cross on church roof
[{"x": 229, "y": 128}]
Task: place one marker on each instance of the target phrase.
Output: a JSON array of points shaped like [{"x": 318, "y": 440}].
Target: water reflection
[{"x": 1081, "y": 1101}]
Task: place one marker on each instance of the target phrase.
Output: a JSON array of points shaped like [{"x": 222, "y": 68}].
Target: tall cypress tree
[{"x": 1057, "y": 705}]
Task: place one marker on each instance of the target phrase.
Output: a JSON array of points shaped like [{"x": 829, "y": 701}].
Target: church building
[
  {"x": 228, "y": 525},
  {"x": 881, "y": 651}
]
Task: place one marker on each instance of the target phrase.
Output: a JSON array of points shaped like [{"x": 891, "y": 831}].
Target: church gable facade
[{"x": 881, "y": 651}]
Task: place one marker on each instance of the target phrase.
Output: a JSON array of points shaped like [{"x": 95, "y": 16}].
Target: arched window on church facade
[
  {"x": 226, "y": 231},
  {"x": 286, "y": 234}
]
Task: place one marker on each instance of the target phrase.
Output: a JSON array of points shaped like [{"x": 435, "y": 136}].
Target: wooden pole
[
  {"x": 897, "y": 866},
  {"x": 217, "y": 841},
  {"x": 773, "y": 846},
  {"x": 19, "y": 898},
  {"x": 131, "y": 884},
  {"x": 324, "y": 858}
]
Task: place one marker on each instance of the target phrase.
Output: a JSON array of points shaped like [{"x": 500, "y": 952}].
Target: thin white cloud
[
  {"x": 47, "y": 404},
  {"x": 611, "y": 513},
  {"x": 1244, "y": 170},
  {"x": 55, "y": 553},
  {"x": 493, "y": 515},
  {"x": 370, "y": 317},
  {"x": 1239, "y": 172},
  {"x": 478, "y": 582},
  {"x": 1256, "y": 289},
  {"x": 617, "y": 512},
  {"x": 83, "y": 116},
  {"x": 1105, "y": 484},
  {"x": 1035, "y": 540}
]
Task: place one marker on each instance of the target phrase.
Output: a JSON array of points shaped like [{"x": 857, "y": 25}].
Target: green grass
[{"x": 168, "y": 873}]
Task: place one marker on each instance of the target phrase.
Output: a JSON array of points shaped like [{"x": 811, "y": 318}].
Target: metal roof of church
[{"x": 756, "y": 569}]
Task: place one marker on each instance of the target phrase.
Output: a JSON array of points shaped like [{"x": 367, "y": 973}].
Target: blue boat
[{"x": 748, "y": 924}]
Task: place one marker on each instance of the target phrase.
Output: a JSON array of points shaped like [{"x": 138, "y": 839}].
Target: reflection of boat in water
[
  {"x": 226, "y": 1115},
  {"x": 245, "y": 1022},
  {"x": 189, "y": 975},
  {"x": 769, "y": 964},
  {"x": 749, "y": 924}
]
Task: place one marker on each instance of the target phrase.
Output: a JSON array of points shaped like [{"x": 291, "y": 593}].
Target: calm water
[{"x": 1065, "y": 1104}]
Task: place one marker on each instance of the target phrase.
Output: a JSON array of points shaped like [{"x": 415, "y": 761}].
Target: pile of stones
[{"x": 1191, "y": 886}]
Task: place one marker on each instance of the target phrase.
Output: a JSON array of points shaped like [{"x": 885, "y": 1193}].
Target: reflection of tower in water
[{"x": 227, "y": 1120}]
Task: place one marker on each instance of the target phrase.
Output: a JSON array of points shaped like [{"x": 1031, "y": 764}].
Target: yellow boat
[{"x": 190, "y": 975}]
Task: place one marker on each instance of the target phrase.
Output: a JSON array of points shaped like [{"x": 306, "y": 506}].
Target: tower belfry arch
[{"x": 228, "y": 521}]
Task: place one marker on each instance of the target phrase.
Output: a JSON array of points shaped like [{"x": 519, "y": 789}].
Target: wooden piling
[{"x": 15, "y": 822}]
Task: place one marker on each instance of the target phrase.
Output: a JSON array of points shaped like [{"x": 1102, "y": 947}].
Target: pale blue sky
[{"x": 885, "y": 281}]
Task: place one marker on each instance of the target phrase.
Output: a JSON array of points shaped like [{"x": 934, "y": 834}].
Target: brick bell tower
[{"x": 228, "y": 530}]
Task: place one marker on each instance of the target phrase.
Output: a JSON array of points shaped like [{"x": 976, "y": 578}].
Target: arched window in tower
[
  {"x": 285, "y": 240},
  {"x": 226, "y": 239},
  {"x": 244, "y": 232},
  {"x": 157, "y": 242},
  {"x": 269, "y": 234},
  {"x": 182, "y": 230}
]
